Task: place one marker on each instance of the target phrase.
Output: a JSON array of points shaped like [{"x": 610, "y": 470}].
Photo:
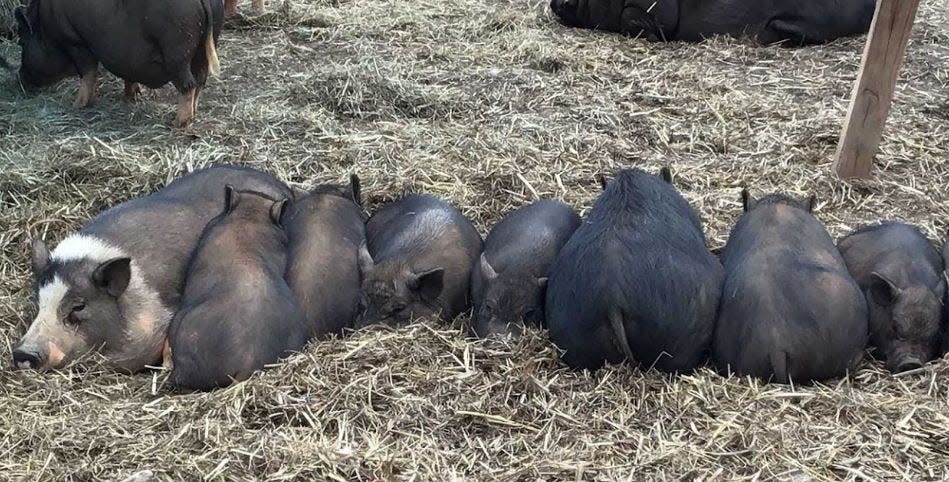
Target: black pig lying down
[
  {"x": 510, "y": 278},
  {"x": 113, "y": 286},
  {"x": 901, "y": 273},
  {"x": 326, "y": 227},
  {"x": 769, "y": 21},
  {"x": 417, "y": 261},
  {"x": 790, "y": 311},
  {"x": 636, "y": 281},
  {"x": 237, "y": 312},
  {"x": 141, "y": 41}
]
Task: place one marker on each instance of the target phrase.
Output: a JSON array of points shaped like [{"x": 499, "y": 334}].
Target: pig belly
[{"x": 150, "y": 74}]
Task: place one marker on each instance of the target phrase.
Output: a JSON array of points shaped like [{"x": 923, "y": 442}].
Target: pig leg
[
  {"x": 87, "y": 88},
  {"x": 132, "y": 89},
  {"x": 185, "y": 108},
  {"x": 230, "y": 7},
  {"x": 259, "y": 6},
  {"x": 166, "y": 356},
  {"x": 197, "y": 95}
]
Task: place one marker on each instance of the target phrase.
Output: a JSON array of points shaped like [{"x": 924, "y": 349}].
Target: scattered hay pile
[{"x": 489, "y": 104}]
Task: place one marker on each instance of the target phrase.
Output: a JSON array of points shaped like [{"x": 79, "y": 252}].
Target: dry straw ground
[{"x": 490, "y": 104}]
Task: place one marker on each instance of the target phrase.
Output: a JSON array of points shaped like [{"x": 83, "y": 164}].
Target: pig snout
[
  {"x": 27, "y": 357},
  {"x": 905, "y": 363}
]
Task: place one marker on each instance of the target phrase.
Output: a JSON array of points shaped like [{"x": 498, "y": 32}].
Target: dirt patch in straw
[{"x": 491, "y": 105}]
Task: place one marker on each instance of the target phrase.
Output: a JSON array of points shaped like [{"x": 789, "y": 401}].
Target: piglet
[
  {"x": 790, "y": 311},
  {"x": 237, "y": 312},
  {"x": 901, "y": 273},
  {"x": 417, "y": 261},
  {"x": 509, "y": 281},
  {"x": 326, "y": 227}
]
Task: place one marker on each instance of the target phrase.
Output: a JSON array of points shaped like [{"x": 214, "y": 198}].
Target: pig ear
[
  {"x": 354, "y": 186},
  {"x": 882, "y": 290},
  {"x": 231, "y": 198},
  {"x": 747, "y": 200},
  {"x": 113, "y": 276},
  {"x": 428, "y": 283},
  {"x": 811, "y": 203},
  {"x": 666, "y": 174},
  {"x": 298, "y": 193},
  {"x": 486, "y": 269},
  {"x": 365, "y": 259},
  {"x": 40, "y": 256},
  {"x": 277, "y": 210}
]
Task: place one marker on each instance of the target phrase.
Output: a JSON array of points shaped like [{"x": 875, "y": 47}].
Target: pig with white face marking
[
  {"x": 417, "y": 261},
  {"x": 237, "y": 312},
  {"x": 325, "y": 228},
  {"x": 509, "y": 280},
  {"x": 114, "y": 286}
]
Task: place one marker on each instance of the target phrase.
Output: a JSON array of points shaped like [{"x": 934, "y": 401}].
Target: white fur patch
[
  {"x": 50, "y": 297},
  {"x": 81, "y": 246}
]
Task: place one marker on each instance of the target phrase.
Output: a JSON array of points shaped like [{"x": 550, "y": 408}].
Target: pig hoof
[
  {"x": 132, "y": 90},
  {"x": 181, "y": 122}
]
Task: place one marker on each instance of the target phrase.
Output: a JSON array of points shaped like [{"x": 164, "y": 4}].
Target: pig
[
  {"x": 790, "y": 311},
  {"x": 416, "y": 261},
  {"x": 510, "y": 277},
  {"x": 900, "y": 272},
  {"x": 230, "y": 7},
  {"x": 794, "y": 22},
  {"x": 237, "y": 312},
  {"x": 141, "y": 41},
  {"x": 636, "y": 282},
  {"x": 113, "y": 286},
  {"x": 325, "y": 228}
]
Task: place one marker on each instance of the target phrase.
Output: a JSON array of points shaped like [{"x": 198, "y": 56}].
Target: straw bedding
[{"x": 490, "y": 104}]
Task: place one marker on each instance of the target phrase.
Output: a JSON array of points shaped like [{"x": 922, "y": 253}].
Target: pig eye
[{"x": 73, "y": 318}]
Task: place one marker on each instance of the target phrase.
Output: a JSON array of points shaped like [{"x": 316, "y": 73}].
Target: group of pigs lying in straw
[
  {"x": 227, "y": 269},
  {"x": 151, "y": 43}
]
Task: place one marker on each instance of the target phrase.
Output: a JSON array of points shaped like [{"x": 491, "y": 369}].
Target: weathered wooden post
[{"x": 873, "y": 90}]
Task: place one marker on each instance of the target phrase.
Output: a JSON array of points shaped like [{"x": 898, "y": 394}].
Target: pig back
[
  {"x": 787, "y": 293},
  {"x": 325, "y": 232},
  {"x": 529, "y": 238},
  {"x": 161, "y": 230}
]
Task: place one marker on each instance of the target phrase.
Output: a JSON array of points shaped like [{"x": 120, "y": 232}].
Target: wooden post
[{"x": 873, "y": 91}]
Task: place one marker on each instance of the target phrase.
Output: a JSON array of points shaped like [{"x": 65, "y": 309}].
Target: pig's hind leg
[{"x": 88, "y": 69}]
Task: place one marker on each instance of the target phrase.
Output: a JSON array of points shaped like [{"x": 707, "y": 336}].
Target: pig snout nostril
[
  {"x": 908, "y": 364},
  {"x": 26, "y": 359}
]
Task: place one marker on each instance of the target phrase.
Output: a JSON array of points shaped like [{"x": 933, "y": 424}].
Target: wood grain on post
[{"x": 873, "y": 91}]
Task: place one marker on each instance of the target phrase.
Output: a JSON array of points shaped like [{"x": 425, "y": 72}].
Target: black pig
[
  {"x": 237, "y": 312},
  {"x": 769, "y": 21},
  {"x": 417, "y": 261},
  {"x": 510, "y": 278},
  {"x": 325, "y": 228},
  {"x": 636, "y": 281},
  {"x": 113, "y": 286},
  {"x": 900, "y": 272},
  {"x": 790, "y": 311},
  {"x": 142, "y": 41}
]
